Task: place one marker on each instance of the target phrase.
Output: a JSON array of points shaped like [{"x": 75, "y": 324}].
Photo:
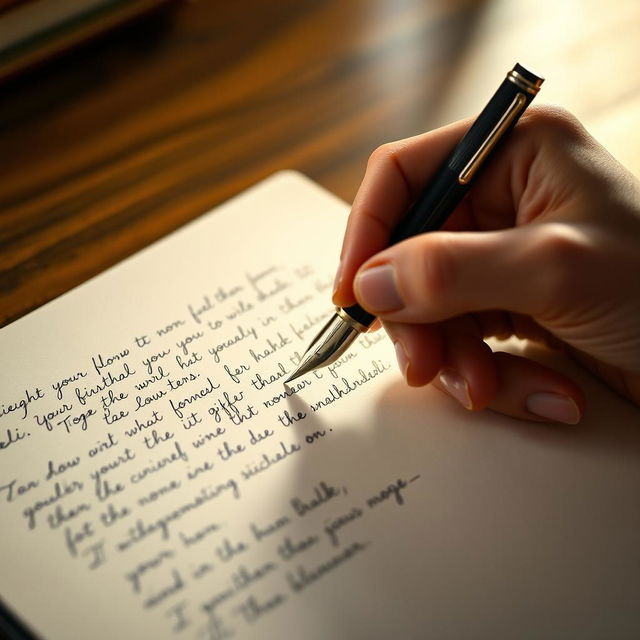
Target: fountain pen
[{"x": 435, "y": 204}]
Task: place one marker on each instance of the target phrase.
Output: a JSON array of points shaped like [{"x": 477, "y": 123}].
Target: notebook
[{"x": 158, "y": 479}]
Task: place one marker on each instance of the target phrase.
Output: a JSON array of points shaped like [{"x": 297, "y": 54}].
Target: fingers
[
  {"x": 519, "y": 253},
  {"x": 469, "y": 373},
  {"x": 452, "y": 350},
  {"x": 517, "y": 187},
  {"x": 532, "y": 391},
  {"x": 419, "y": 351},
  {"x": 526, "y": 390},
  {"x": 395, "y": 174},
  {"x": 537, "y": 270},
  {"x": 459, "y": 363}
]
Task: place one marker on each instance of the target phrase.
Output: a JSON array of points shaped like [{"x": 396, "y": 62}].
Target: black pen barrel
[{"x": 455, "y": 176}]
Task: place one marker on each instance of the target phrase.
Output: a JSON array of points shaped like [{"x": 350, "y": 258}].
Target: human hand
[{"x": 546, "y": 246}]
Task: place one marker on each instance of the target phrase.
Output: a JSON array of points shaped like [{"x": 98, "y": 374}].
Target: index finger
[{"x": 395, "y": 175}]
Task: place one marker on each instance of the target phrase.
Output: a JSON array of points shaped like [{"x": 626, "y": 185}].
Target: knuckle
[
  {"x": 383, "y": 154},
  {"x": 553, "y": 121},
  {"x": 563, "y": 253}
]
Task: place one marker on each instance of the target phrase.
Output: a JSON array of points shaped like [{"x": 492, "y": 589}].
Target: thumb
[{"x": 438, "y": 275}]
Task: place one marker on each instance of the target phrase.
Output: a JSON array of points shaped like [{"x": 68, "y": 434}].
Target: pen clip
[{"x": 492, "y": 139}]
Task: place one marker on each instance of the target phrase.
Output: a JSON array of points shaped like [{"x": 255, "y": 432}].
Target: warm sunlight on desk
[
  {"x": 140, "y": 132},
  {"x": 156, "y": 477},
  {"x": 588, "y": 50}
]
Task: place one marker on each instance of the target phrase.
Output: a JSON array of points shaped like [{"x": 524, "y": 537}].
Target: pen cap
[
  {"x": 534, "y": 81},
  {"x": 454, "y": 178},
  {"x": 495, "y": 122}
]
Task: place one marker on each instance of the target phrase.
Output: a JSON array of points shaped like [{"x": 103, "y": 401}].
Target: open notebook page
[{"x": 158, "y": 480}]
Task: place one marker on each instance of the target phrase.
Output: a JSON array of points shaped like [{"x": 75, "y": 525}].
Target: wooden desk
[{"x": 112, "y": 146}]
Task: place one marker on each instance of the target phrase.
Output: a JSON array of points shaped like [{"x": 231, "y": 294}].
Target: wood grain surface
[{"x": 113, "y": 145}]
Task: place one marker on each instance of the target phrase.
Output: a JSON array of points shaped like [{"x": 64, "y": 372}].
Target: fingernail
[
  {"x": 403, "y": 358},
  {"x": 456, "y": 386},
  {"x": 376, "y": 289},
  {"x": 553, "y": 406}
]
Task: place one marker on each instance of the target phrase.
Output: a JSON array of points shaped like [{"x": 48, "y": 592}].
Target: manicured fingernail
[
  {"x": 403, "y": 358},
  {"x": 553, "y": 406},
  {"x": 376, "y": 288},
  {"x": 456, "y": 386}
]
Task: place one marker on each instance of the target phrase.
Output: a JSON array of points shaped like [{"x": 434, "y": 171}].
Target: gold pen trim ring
[
  {"x": 523, "y": 83},
  {"x": 350, "y": 321}
]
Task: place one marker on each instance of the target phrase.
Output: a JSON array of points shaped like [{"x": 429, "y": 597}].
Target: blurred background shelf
[
  {"x": 108, "y": 147},
  {"x": 34, "y": 30}
]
